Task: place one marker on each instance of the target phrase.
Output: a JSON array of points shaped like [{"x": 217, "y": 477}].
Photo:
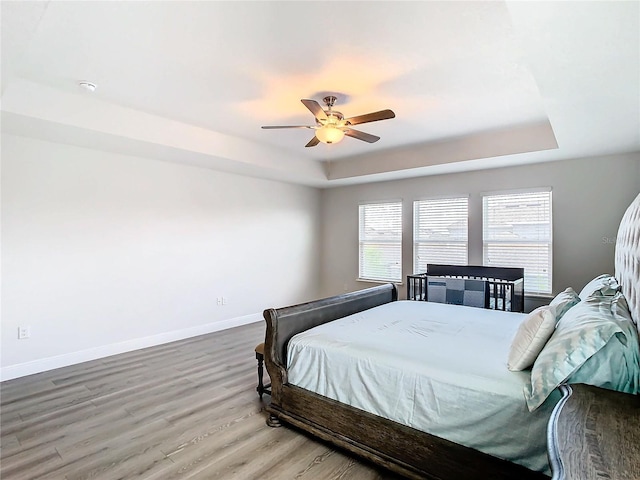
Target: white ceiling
[{"x": 473, "y": 84}]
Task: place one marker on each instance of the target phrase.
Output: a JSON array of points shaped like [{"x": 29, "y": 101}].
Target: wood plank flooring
[{"x": 184, "y": 410}]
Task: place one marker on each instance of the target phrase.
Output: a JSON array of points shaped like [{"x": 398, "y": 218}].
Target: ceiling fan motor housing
[{"x": 333, "y": 118}]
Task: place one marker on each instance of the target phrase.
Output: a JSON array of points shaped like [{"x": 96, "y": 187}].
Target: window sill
[
  {"x": 541, "y": 296},
  {"x": 380, "y": 282}
]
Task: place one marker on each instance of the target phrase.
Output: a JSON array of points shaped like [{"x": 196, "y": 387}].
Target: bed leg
[{"x": 273, "y": 421}]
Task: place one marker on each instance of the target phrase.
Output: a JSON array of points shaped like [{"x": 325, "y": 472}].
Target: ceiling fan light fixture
[{"x": 329, "y": 134}]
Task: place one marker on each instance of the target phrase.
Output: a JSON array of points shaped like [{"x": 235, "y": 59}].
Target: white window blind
[
  {"x": 517, "y": 233},
  {"x": 440, "y": 232},
  {"x": 380, "y": 241}
]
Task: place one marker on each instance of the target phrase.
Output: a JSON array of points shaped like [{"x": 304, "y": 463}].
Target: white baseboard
[{"x": 50, "y": 363}]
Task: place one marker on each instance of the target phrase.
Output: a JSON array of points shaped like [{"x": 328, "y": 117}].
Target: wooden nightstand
[{"x": 594, "y": 434}]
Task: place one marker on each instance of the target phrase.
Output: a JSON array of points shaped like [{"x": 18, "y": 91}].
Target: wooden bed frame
[{"x": 399, "y": 448}]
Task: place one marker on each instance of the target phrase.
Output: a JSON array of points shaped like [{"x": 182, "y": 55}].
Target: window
[
  {"x": 380, "y": 241},
  {"x": 517, "y": 233},
  {"x": 440, "y": 232}
]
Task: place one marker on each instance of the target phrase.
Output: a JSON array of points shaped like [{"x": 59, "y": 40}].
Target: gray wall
[
  {"x": 589, "y": 198},
  {"x": 103, "y": 253}
]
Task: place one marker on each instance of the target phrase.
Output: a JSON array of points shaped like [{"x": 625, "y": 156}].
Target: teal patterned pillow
[
  {"x": 617, "y": 365},
  {"x": 581, "y": 333},
  {"x": 604, "y": 284},
  {"x": 564, "y": 301}
]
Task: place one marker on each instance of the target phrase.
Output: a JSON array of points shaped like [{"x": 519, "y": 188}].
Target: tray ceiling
[{"x": 473, "y": 84}]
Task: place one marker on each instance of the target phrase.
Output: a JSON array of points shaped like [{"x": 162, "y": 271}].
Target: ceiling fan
[{"x": 331, "y": 126}]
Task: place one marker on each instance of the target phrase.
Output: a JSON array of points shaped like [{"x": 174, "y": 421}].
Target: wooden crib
[{"x": 497, "y": 288}]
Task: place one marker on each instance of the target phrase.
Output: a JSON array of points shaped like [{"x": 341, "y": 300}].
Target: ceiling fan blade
[
  {"x": 315, "y": 108},
  {"x": 366, "y": 137},
  {"x": 371, "y": 117},
  {"x": 269, "y": 127},
  {"x": 313, "y": 142}
]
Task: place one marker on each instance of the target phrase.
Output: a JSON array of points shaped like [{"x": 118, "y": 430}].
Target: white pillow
[{"x": 532, "y": 335}]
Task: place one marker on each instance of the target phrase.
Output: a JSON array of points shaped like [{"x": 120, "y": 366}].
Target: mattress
[{"x": 435, "y": 367}]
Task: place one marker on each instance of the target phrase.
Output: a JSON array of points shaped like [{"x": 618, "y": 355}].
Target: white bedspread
[{"x": 434, "y": 367}]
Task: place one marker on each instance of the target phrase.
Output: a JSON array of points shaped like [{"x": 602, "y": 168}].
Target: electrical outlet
[
  {"x": 219, "y": 301},
  {"x": 24, "y": 332},
  {"x": 224, "y": 300}
]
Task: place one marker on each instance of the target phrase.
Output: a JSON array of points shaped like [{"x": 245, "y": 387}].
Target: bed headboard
[{"x": 628, "y": 258}]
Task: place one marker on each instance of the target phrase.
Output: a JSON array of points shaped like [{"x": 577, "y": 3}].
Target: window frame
[
  {"x": 529, "y": 286},
  {"x": 364, "y": 273},
  {"x": 417, "y": 226}
]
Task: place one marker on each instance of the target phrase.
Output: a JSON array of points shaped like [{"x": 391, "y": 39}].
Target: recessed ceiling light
[{"x": 88, "y": 86}]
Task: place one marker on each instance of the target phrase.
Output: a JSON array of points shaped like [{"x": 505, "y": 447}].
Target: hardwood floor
[{"x": 184, "y": 410}]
